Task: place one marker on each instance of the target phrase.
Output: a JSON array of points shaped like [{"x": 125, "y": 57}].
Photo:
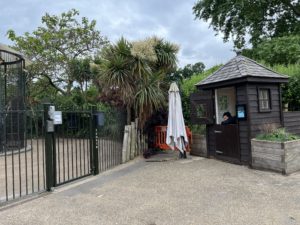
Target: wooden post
[
  {"x": 133, "y": 141},
  {"x": 124, "y": 147},
  {"x": 137, "y": 138},
  {"x": 128, "y": 143}
]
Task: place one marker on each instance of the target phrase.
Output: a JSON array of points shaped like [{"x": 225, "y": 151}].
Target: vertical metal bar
[
  {"x": 5, "y": 155},
  {"x": 63, "y": 156},
  {"x": 79, "y": 139},
  {"x": 83, "y": 143},
  {"x": 31, "y": 130},
  {"x": 12, "y": 158},
  {"x": 95, "y": 144},
  {"x": 31, "y": 161},
  {"x": 57, "y": 140},
  {"x": 68, "y": 156},
  {"x": 76, "y": 152},
  {"x": 87, "y": 150},
  {"x": 54, "y": 159},
  {"x": 91, "y": 139},
  {"x": 26, "y": 137},
  {"x": 19, "y": 153},
  {"x": 43, "y": 135},
  {"x": 38, "y": 163},
  {"x": 49, "y": 152},
  {"x": 72, "y": 149}
]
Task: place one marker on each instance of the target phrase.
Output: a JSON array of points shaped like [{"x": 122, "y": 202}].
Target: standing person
[{"x": 228, "y": 119}]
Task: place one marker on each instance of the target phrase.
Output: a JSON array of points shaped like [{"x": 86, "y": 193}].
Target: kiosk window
[
  {"x": 264, "y": 100},
  {"x": 201, "y": 111}
]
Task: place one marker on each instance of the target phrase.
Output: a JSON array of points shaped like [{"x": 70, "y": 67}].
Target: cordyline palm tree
[{"x": 137, "y": 71}]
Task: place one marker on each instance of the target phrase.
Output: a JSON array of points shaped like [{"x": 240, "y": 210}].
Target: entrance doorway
[
  {"x": 225, "y": 101},
  {"x": 227, "y": 136}
]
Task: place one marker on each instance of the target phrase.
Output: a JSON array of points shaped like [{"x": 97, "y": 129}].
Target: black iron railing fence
[
  {"x": 22, "y": 153},
  {"x": 34, "y": 160}
]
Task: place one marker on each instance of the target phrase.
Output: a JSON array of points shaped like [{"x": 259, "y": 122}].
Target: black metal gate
[
  {"x": 70, "y": 146},
  {"x": 34, "y": 159}
]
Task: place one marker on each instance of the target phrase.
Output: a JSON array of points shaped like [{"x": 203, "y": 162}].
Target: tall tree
[
  {"x": 281, "y": 50},
  {"x": 188, "y": 71},
  {"x": 259, "y": 18},
  {"x": 136, "y": 72},
  {"x": 53, "y": 48}
]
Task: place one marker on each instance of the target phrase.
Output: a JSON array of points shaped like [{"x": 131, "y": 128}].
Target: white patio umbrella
[{"x": 176, "y": 133}]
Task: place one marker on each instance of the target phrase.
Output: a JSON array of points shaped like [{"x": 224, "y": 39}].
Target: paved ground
[
  {"x": 194, "y": 191},
  {"x": 24, "y": 171}
]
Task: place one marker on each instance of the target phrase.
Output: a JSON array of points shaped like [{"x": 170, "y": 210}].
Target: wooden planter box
[
  {"x": 198, "y": 146},
  {"x": 282, "y": 157}
]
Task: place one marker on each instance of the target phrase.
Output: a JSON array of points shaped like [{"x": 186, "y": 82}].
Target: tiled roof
[{"x": 239, "y": 67}]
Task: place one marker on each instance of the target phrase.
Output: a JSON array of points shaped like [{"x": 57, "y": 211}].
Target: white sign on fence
[{"x": 57, "y": 117}]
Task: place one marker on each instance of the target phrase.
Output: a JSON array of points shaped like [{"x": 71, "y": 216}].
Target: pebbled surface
[{"x": 192, "y": 191}]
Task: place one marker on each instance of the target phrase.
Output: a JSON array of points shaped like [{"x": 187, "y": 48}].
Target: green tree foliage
[
  {"x": 135, "y": 74},
  {"x": 291, "y": 90},
  {"x": 188, "y": 71},
  {"x": 54, "y": 48},
  {"x": 260, "y": 19},
  {"x": 282, "y": 50}
]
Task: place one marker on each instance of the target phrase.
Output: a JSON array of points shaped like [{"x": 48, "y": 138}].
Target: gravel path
[{"x": 193, "y": 191}]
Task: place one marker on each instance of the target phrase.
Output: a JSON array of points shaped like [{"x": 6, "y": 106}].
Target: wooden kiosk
[{"x": 251, "y": 93}]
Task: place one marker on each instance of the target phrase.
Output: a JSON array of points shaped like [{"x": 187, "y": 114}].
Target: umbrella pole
[{"x": 182, "y": 155}]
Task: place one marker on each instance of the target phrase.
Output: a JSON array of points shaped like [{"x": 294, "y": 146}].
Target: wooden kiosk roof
[{"x": 241, "y": 69}]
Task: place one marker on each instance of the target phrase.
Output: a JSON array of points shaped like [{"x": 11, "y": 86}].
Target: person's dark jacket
[{"x": 230, "y": 120}]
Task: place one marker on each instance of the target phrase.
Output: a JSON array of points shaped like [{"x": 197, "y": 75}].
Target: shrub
[
  {"x": 279, "y": 135},
  {"x": 198, "y": 129}
]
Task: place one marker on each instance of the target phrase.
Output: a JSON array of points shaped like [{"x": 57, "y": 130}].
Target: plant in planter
[
  {"x": 276, "y": 150},
  {"x": 198, "y": 145}
]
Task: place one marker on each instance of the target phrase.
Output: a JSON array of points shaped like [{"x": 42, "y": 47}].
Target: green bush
[
  {"x": 198, "y": 129},
  {"x": 290, "y": 90},
  {"x": 279, "y": 135}
]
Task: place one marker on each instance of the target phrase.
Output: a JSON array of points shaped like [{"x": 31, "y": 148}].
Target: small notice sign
[{"x": 57, "y": 117}]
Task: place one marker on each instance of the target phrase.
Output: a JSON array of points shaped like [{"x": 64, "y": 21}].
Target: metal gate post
[
  {"x": 94, "y": 143},
  {"x": 50, "y": 176}
]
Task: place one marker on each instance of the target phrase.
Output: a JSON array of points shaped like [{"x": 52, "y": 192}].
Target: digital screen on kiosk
[{"x": 241, "y": 112}]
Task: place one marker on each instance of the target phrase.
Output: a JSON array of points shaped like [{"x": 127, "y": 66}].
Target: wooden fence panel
[{"x": 292, "y": 122}]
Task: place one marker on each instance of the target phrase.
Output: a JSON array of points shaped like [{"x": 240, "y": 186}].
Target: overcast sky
[{"x": 133, "y": 19}]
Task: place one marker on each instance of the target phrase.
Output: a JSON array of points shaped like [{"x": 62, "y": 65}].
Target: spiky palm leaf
[
  {"x": 166, "y": 55},
  {"x": 149, "y": 96},
  {"x": 116, "y": 69}
]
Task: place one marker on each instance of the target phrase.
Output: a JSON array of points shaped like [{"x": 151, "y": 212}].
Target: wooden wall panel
[{"x": 292, "y": 122}]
